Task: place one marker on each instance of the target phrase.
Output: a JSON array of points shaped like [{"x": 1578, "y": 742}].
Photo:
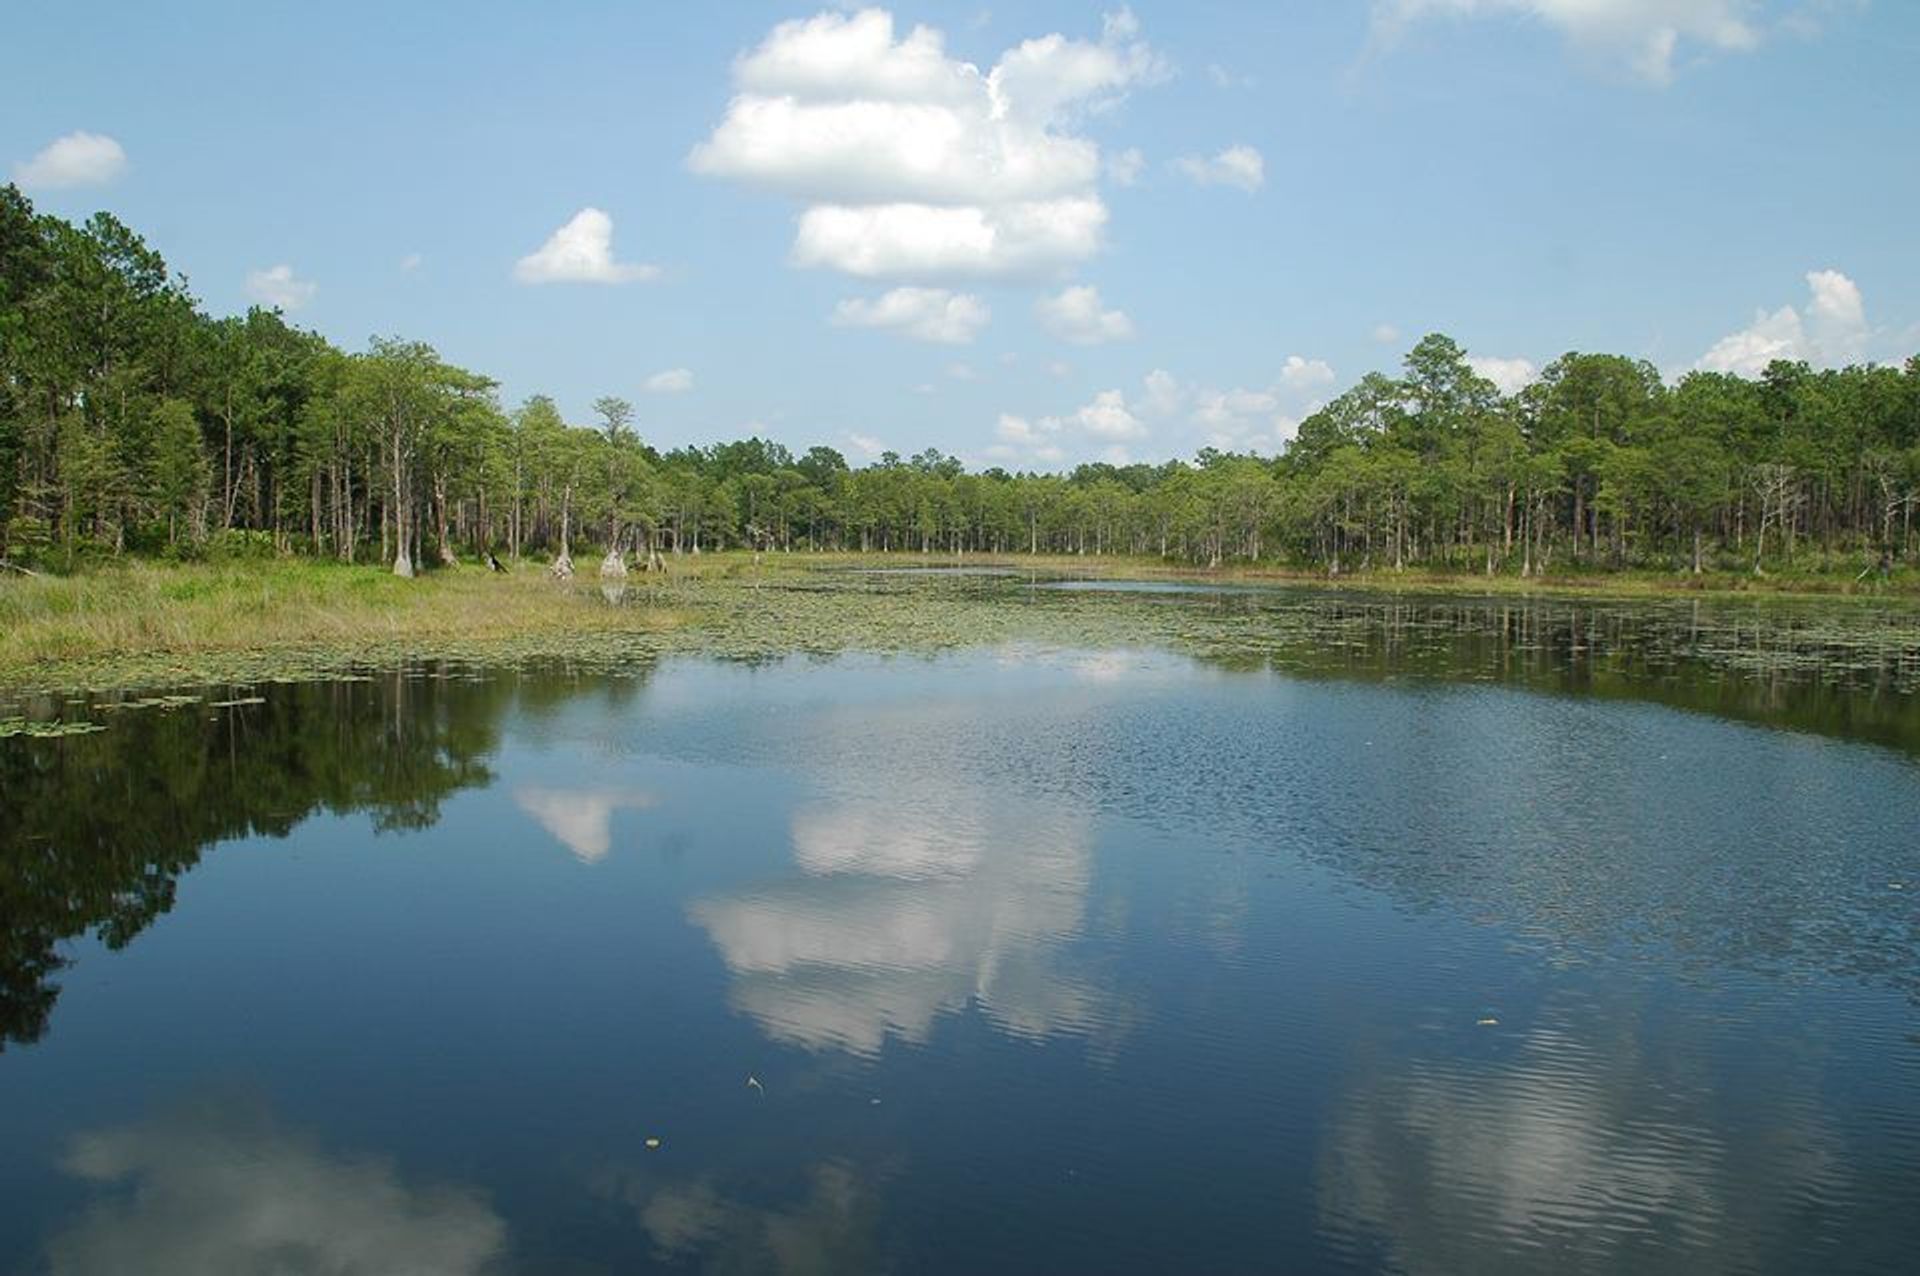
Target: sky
[{"x": 1026, "y": 235}]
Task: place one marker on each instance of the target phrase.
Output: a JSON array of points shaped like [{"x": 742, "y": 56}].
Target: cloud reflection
[
  {"x": 697, "y": 1225},
  {"x": 580, "y": 819},
  {"x": 207, "y": 1192},
  {"x": 1578, "y": 1146},
  {"x": 912, "y": 899}
]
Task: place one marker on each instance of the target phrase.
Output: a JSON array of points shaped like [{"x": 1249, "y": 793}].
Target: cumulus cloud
[
  {"x": 1508, "y": 375},
  {"x": 1101, "y": 426},
  {"x": 1108, "y": 417},
  {"x": 77, "y": 159},
  {"x": 670, "y": 381},
  {"x": 1163, "y": 393},
  {"x": 1239, "y": 166},
  {"x": 1833, "y": 332},
  {"x": 1075, "y": 316},
  {"x": 581, "y": 252},
  {"x": 1386, "y": 333},
  {"x": 1241, "y": 419},
  {"x": 1642, "y": 35},
  {"x": 911, "y": 163},
  {"x": 925, "y": 314},
  {"x": 866, "y": 445},
  {"x": 279, "y": 286},
  {"x": 1305, "y": 375}
]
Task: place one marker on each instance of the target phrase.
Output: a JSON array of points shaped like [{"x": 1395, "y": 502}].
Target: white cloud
[
  {"x": 881, "y": 241},
  {"x": 1508, "y": 375},
  {"x": 925, "y": 314},
  {"x": 866, "y": 445},
  {"x": 278, "y": 286},
  {"x": 1033, "y": 442},
  {"x": 1386, "y": 333},
  {"x": 1108, "y": 417},
  {"x": 1239, "y": 419},
  {"x": 1163, "y": 393},
  {"x": 1837, "y": 305},
  {"x": 1305, "y": 375},
  {"x": 78, "y": 159},
  {"x": 1833, "y": 332},
  {"x": 1642, "y": 35},
  {"x": 1124, "y": 167},
  {"x": 670, "y": 381},
  {"x": 912, "y": 163},
  {"x": 1075, "y": 316},
  {"x": 1015, "y": 429},
  {"x": 1107, "y": 420},
  {"x": 1238, "y": 166},
  {"x": 1779, "y": 335},
  {"x": 581, "y": 252},
  {"x": 962, "y": 371}
]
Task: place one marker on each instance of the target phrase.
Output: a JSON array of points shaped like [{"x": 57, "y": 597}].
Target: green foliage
[{"x": 131, "y": 423}]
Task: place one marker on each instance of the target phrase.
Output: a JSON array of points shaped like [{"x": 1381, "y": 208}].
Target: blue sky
[{"x": 1167, "y": 226}]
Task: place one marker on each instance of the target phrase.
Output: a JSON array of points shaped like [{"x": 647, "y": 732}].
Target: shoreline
[{"x": 148, "y": 623}]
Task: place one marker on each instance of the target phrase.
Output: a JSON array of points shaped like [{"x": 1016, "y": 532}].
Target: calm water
[{"x": 1018, "y": 959}]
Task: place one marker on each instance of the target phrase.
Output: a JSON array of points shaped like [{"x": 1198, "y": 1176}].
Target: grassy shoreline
[{"x": 144, "y": 622}]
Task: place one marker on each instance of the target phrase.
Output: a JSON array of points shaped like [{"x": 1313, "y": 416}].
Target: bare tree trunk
[{"x": 403, "y": 558}]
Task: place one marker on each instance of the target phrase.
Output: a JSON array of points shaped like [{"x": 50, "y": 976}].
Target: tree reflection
[
  {"x": 1850, "y": 674},
  {"x": 96, "y": 830}
]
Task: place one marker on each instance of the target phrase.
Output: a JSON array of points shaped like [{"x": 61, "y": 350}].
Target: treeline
[{"x": 131, "y": 422}]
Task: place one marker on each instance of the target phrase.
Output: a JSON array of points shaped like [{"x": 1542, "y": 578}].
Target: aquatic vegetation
[{"x": 1849, "y": 667}]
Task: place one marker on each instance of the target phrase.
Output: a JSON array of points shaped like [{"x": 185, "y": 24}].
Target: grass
[
  {"x": 154, "y": 609},
  {"x": 143, "y": 623}
]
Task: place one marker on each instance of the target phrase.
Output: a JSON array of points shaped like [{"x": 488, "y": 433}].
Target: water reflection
[
  {"x": 1845, "y": 669},
  {"x": 95, "y": 830},
  {"x": 1206, "y": 890},
  {"x": 703, "y": 1225},
  {"x": 1591, "y": 1142},
  {"x": 580, "y": 819},
  {"x": 219, "y": 1189},
  {"x": 908, "y": 907}
]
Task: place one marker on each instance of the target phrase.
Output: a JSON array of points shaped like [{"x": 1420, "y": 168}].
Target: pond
[{"x": 1371, "y": 950}]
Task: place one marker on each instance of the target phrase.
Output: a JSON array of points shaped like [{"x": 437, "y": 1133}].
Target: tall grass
[
  {"x": 146, "y": 609},
  {"x": 150, "y": 608}
]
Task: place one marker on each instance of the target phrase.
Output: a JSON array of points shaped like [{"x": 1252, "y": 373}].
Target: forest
[{"x": 131, "y": 423}]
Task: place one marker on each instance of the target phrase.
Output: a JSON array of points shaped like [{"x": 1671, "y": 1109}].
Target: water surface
[{"x": 1027, "y": 957}]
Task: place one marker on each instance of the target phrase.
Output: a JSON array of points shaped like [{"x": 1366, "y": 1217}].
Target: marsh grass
[
  {"x": 144, "y": 609},
  {"x": 237, "y": 625}
]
